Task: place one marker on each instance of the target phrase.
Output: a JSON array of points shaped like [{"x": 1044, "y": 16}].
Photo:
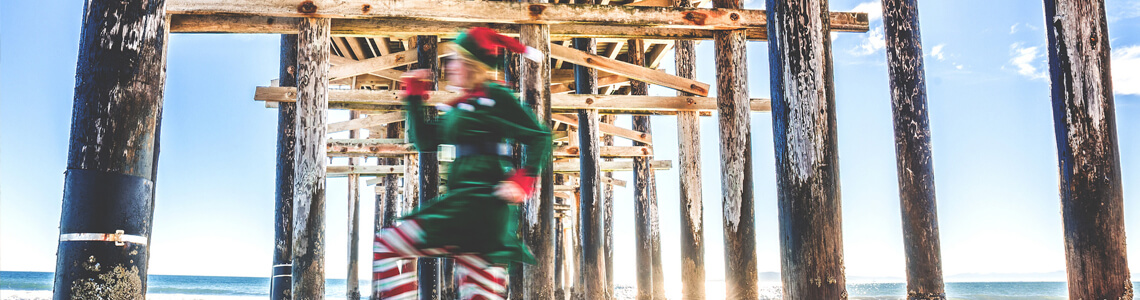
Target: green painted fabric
[{"x": 469, "y": 216}]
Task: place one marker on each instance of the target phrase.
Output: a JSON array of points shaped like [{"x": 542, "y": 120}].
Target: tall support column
[
  {"x": 388, "y": 200},
  {"x": 807, "y": 161},
  {"x": 689, "y": 155},
  {"x": 309, "y": 181},
  {"x": 281, "y": 285},
  {"x": 108, "y": 197},
  {"x": 592, "y": 264},
  {"x": 608, "y": 215},
  {"x": 734, "y": 118},
  {"x": 650, "y": 277},
  {"x": 538, "y": 212},
  {"x": 1084, "y": 117},
  {"x": 912, "y": 147},
  {"x": 352, "y": 279},
  {"x": 515, "y": 288},
  {"x": 428, "y": 271}
]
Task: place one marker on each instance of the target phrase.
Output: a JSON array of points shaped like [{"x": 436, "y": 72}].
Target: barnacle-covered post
[
  {"x": 311, "y": 159},
  {"x": 281, "y": 284},
  {"x": 591, "y": 281},
  {"x": 538, "y": 212}
]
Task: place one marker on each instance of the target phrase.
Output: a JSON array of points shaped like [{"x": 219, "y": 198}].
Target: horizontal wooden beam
[
  {"x": 228, "y": 23},
  {"x": 607, "y": 180},
  {"x": 368, "y": 148},
  {"x": 366, "y": 122},
  {"x": 480, "y": 11},
  {"x": 607, "y": 151},
  {"x": 629, "y": 70},
  {"x": 379, "y": 63},
  {"x": 607, "y": 128},
  {"x": 609, "y": 104},
  {"x": 559, "y": 167}
]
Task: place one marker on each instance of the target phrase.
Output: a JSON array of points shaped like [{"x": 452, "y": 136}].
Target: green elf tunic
[{"x": 469, "y": 218}]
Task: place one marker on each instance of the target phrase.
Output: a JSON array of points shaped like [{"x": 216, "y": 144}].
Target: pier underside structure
[{"x": 601, "y": 57}]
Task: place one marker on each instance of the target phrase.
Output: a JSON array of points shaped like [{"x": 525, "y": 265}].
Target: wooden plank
[
  {"x": 389, "y": 74},
  {"x": 915, "y": 162},
  {"x": 609, "y": 129},
  {"x": 389, "y": 100},
  {"x": 366, "y": 122},
  {"x": 182, "y": 23},
  {"x": 629, "y": 70},
  {"x": 378, "y": 63},
  {"x": 481, "y": 11},
  {"x": 607, "y": 151},
  {"x": 807, "y": 162},
  {"x": 1088, "y": 150},
  {"x": 559, "y": 167},
  {"x": 309, "y": 183}
]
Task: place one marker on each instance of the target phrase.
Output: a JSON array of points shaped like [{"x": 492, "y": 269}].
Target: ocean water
[{"x": 38, "y": 285}]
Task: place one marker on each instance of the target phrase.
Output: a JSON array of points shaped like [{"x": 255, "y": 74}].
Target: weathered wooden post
[
  {"x": 807, "y": 162},
  {"x": 538, "y": 212},
  {"x": 309, "y": 181},
  {"x": 734, "y": 113},
  {"x": 689, "y": 157},
  {"x": 592, "y": 265},
  {"x": 108, "y": 198},
  {"x": 281, "y": 285},
  {"x": 650, "y": 277},
  {"x": 912, "y": 147},
  {"x": 387, "y": 201},
  {"x": 1084, "y": 117},
  {"x": 515, "y": 286},
  {"x": 608, "y": 215},
  {"x": 428, "y": 271},
  {"x": 352, "y": 279}
]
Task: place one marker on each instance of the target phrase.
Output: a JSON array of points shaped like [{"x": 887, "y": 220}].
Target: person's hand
[
  {"x": 516, "y": 188},
  {"x": 416, "y": 82}
]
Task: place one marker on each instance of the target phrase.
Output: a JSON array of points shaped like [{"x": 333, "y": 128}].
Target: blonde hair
[{"x": 477, "y": 71}]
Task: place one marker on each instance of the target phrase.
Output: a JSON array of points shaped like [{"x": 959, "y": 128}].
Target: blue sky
[{"x": 991, "y": 120}]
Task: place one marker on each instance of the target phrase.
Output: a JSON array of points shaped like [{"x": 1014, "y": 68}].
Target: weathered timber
[
  {"x": 807, "y": 161},
  {"x": 108, "y": 199},
  {"x": 183, "y": 23},
  {"x": 281, "y": 284},
  {"x": 607, "y": 152},
  {"x": 538, "y": 212},
  {"x": 387, "y": 202},
  {"x": 912, "y": 148},
  {"x": 591, "y": 281},
  {"x": 366, "y": 122},
  {"x": 607, "y": 215},
  {"x": 352, "y": 278},
  {"x": 428, "y": 269},
  {"x": 385, "y": 148},
  {"x": 689, "y": 167},
  {"x": 515, "y": 276},
  {"x": 609, "y": 129},
  {"x": 563, "y": 103},
  {"x": 1084, "y": 118},
  {"x": 632, "y": 71},
  {"x": 650, "y": 277},
  {"x": 389, "y": 73},
  {"x": 386, "y": 62},
  {"x": 309, "y": 179}
]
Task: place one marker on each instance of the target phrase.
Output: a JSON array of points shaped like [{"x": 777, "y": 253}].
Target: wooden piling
[
  {"x": 281, "y": 285},
  {"x": 538, "y": 212},
  {"x": 1084, "y": 117},
  {"x": 689, "y": 167},
  {"x": 108, "y": 197},
  {"x": 807, "y": 161},
  {"x": 608, "y": 215},
  {"x": 352, "y": 279},
  {"x": 515, "y": 279},
  {"x": 650, "y": 276},
  {"x": 591, "y": 282},
  {"x": 309, "y": 181},
  {"x": 388, "y": 201},
  {"x": 912, "y": 148},
  {"x": 428, "y": 271}
]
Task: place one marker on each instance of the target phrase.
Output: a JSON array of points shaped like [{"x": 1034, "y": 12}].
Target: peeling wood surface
[
  {"x": 632, "y": 71},
  {"x": 650, "y": 277},
  {"x": 389, "y": 100},
  {"x": 608, "y": 216},
  {"x": 807, "y": 160},
  {"x": 538, "y": 212},
  {"x": 1084, "y": 118},
  {"x": 428, "y": 270},
  {"x": 352, "y": 277},
  {"x": 912, "y": 149},
  {"x": 689, "y": 165},
  {"x": 309, "y": 181},
  {"x": 281, "y": 287},
  {"x": 591, "y": 281}
]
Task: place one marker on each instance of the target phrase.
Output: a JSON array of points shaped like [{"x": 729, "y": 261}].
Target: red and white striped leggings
[{"x": 393, "y": 268}]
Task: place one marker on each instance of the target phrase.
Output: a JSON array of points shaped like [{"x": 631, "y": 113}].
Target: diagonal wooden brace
[{"x": 635, "y": 72}]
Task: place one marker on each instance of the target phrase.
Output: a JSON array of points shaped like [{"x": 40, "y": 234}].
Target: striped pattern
[{"x": 393, "y": 270}]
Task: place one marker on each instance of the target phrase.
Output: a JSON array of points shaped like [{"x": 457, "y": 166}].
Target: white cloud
[
  {"x": 936, "y": 52},
  {"x": 1028, "y": 60},
  {"x": 1013, "y": 29},
  {"x": 874, "y": 42},
  {"x": 874, "y": 10},
  {"x": 959, "y": 67},
  {"x": 1126, "y": 70}
]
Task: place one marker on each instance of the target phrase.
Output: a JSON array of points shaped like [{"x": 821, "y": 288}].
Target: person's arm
[
  {"x": 521, "y": 125},
  {"x": 421, "y": 132}
]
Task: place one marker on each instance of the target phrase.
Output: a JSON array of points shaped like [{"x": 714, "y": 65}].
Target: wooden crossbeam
[
  {"x": 381, "y": 63},
  {"x": 607, "y": 151},
  {"x": 629, "y": 70},
  {"x": 389, "y": 74},
  {"x": 602, "y": 82},
  {"x": 366, "y": 122},
  {"x": 559, "y": 167},
  {"x": 368, "y": 148},
  {"x": 481, "y": 11},
  {"x": 610, "y": 129},
  {"x": 183, "y": 23},
  {"x": 606, "y": 180},
  {"x": 611, "y": 104}
]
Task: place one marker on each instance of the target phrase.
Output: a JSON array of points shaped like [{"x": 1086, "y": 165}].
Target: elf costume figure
[{"x": 476, "y": 221}]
